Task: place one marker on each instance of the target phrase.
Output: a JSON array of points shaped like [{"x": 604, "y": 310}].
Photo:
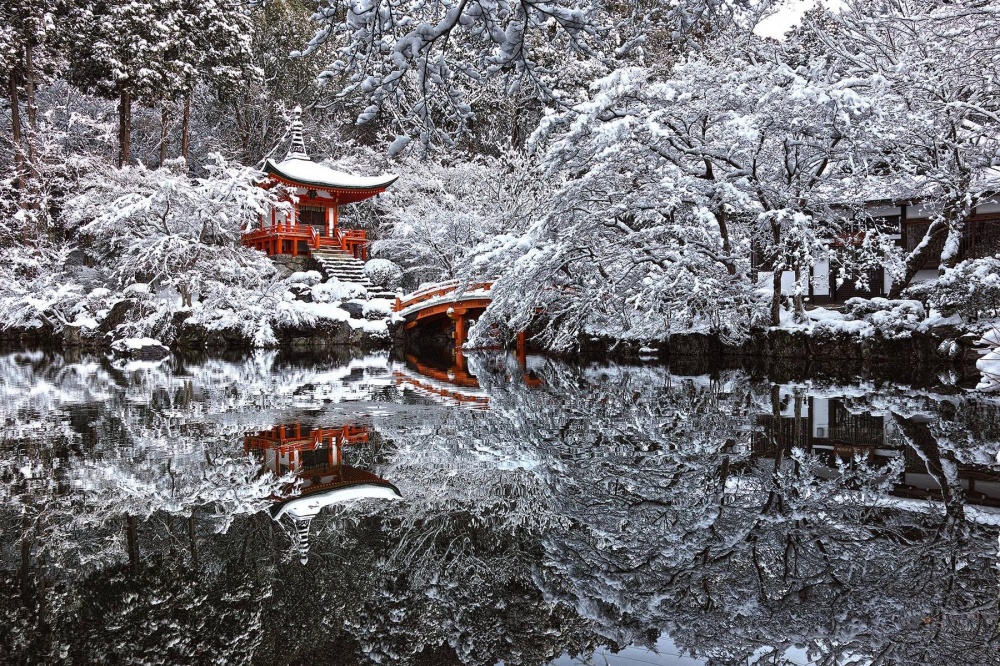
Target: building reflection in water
[
  {"x": 322, "y": 479},
  {"x": 827, "y": 428}
]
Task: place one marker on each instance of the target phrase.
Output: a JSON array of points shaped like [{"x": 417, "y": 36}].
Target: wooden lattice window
[{"x": 313, "y": 215}]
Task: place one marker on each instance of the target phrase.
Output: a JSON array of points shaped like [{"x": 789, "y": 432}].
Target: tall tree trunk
[
  {"x": 124, "y": 127},
  {"x": 15, "y": 125},
  {"x": 777, "y": 268},
  {"x": 29, "y": 91},
  {"x": 776, "y": 296},
  {"x": 163, "y": 135},
  {"x": 799, "y": 298},
  {"x": 727, "y": 246},
  {"x": 132, "y": 528},
  {"x": 243, "y": 128},
  {"x": 186, "y": 131}
]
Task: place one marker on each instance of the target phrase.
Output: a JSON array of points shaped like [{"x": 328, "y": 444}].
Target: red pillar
[
  {"x": 522, "y": 348},
  {"x": 458, "y": 315}
]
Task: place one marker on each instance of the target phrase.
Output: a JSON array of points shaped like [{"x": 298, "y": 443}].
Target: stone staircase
[{"x": 336, "y": 263}]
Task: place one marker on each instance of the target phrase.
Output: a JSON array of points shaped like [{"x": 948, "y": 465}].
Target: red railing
[
  {"x": 279, "y": 229},
  {"x": 439, "y": 289},
  {"x": 354, "y": 241}
]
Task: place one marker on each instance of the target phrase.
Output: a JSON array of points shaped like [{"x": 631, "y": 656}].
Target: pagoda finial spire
[
  {"x": 297, "y": 149},
  {"x": 300, "y": 539}
]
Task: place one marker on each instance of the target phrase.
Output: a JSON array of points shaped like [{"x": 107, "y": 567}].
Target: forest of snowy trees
[{"x": 626, "y": 169}]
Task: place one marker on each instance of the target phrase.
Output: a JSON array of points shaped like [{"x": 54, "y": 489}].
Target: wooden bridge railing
[{"x": 438, "y": 290}]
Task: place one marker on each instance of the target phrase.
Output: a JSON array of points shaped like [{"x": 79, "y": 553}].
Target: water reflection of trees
[{"x": 606, "y": 506}]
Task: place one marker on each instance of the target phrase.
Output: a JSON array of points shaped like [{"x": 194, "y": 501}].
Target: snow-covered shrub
[
  {"x": 36, "y": 293},
  {"x": 309, "y": 278},
  {"x": 384, "y": 273},
  {"x": 335, "y": 291},
  {"x": 971, "y": 290},
  {"x": 890, "y": 317},
  {"x": 377, "y": 308}
]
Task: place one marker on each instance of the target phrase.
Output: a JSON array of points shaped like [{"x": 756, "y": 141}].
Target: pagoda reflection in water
[{"x": 322, "y": 479}]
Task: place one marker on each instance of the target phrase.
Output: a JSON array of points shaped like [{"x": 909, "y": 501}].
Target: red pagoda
[
  {"x": 316, "y": 193},
  {"x": 315, "y": 457}
]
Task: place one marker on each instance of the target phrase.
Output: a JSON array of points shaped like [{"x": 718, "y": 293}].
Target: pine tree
[
  {"x": 213, "y": 47},
  {"x": 28, "y": 51},
  {"x": 126, "y": 52}
]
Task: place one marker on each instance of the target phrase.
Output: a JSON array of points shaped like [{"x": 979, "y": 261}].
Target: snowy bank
[
  {"x": 299, "y": 313},
  {"x": 875, "y": 330}
]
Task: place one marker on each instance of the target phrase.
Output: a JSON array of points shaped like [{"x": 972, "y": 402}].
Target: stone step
[{"x": 346, "y": 267}]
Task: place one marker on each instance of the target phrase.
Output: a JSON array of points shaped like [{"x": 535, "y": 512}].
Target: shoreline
[
  {"x": 943, "y": 345},
  {"x": 324, "y": 335}
]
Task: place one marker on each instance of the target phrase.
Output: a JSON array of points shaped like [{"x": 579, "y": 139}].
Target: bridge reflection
[
  {"x": 828, "y": 428},
  {"x": 315, "y": 456},
  {"x": 455, "y": 385}
]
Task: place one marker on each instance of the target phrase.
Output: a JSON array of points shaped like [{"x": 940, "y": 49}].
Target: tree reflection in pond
[{"x": 593, "y": 508}]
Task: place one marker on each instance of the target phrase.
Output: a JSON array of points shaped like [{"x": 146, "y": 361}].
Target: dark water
[{"x": 365, "y": 510}]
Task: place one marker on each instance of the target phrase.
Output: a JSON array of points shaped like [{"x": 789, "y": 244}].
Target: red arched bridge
[{"x": 453, "y": 301}]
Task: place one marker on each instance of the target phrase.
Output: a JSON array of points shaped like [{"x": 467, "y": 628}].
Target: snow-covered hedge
[
  {"x": 892, "y": 318},
  {"x": 335, "y": 291},
  {"x": 377, "y": 308},
  {"x": 970, "y": 290},
  {"x": 384, "y": 273}
]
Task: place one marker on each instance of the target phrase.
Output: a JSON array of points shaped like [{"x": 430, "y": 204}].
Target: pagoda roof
[
  {"x": 354, "y": 484},
  {"x": 296, "y": 170}
]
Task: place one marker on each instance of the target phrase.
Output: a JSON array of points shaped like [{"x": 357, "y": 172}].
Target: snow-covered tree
[
  {"x": 941, "y": 121},
  {"x": 124, "y": 53},
  {"x": 213, "y": 46},
  {"x": 414, "y": 60},
  {"x": 30, "y": 54},
  {"x": 162, "y": 228},
  {"x": 156, "y": 51},
  {"x": 671, "y": 180},
  {"x": 440, "y": 213}
]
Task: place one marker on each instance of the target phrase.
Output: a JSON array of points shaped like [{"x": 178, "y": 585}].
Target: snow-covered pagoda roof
[
  {"x": 298, "y": 169},
  {"x": 306, "y": 172},
  {"x": 359, "y": 484}
]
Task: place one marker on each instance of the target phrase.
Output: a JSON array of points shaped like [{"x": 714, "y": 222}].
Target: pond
[{"x": 363, "y": 509}]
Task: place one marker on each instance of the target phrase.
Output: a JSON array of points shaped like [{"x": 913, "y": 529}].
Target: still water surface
[{"x": 363, "y": 510}]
